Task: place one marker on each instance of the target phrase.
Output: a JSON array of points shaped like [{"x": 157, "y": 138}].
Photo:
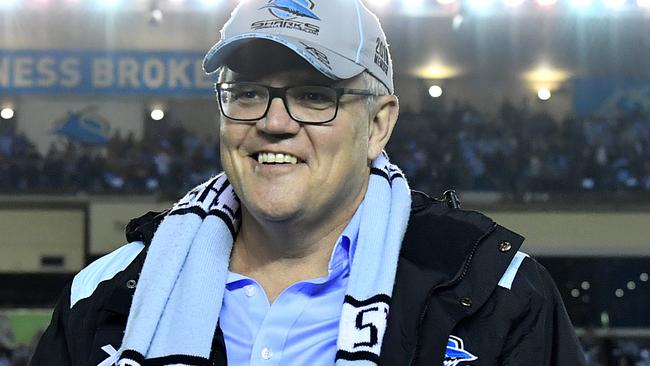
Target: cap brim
[{"x": 329, "y": 63}]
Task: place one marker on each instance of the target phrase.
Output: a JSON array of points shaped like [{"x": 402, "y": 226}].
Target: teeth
[{"x": 279, "y": 158}]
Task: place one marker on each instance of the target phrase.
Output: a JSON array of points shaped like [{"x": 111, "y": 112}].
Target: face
[{"x": 332, "y": 166}]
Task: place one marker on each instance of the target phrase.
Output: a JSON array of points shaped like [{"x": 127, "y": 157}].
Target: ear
[{"x": 382, "y": 121}]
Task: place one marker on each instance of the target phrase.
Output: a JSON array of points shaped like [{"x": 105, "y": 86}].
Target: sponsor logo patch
[{"x": 456, "y": 352}]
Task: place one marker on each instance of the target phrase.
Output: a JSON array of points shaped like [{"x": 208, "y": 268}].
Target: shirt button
[
  {"x": 249, "y": 290},
  {"x": 266, "y": 353}
]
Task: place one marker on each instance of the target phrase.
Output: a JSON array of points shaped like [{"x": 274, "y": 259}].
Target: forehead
[{"x": 260, "y": 59}]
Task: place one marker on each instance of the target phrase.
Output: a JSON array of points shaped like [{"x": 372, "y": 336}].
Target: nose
[{"x": 277, "y": 120}]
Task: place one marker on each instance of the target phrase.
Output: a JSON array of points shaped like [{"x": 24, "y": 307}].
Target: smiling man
[{"x": 310, "y": 249}]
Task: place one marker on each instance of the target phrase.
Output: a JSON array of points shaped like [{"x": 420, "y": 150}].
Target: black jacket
[{"x": 450, "y": 304}]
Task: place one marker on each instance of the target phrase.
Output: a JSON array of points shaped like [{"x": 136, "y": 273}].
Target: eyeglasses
[{"x": 246, "y": 102}]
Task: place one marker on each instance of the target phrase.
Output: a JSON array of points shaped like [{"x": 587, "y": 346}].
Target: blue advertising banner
[
  {"x": 103, "y": 72},
  {"x": 609, "y": 96}
]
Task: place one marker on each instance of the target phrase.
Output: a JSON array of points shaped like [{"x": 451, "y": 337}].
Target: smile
[{"x": 276, "y": 158}]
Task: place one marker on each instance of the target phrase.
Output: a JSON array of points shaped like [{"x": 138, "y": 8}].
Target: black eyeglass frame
[{"x": 282, "y": 94}]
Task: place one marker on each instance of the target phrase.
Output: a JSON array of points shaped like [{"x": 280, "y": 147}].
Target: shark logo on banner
[
  {"x": 456, "y": 353},
  {"x": 291, "y": 9},
  {"x": 83, "y": 126}
]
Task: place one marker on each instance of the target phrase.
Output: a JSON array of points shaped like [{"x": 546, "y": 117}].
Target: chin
[
  {"x": 274, "y": 211},
  {"x": 275, "y": 205}
]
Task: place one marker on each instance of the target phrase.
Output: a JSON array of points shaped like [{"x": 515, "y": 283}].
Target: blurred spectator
[{"x": 7, "y": 340}]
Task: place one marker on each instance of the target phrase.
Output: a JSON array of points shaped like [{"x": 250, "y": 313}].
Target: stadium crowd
[
  {"x": 519, "y": 150},
  {"x": 515, "y": 151}
]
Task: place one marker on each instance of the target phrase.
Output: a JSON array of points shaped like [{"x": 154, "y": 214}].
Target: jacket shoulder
[
  {"x": 92, "y": 310},
  {"x": 540, "y": 321},
  {"x": 103, "y": 269},
  {"x": 139, "y": 232},
  {"x": 527, "y": 277}
]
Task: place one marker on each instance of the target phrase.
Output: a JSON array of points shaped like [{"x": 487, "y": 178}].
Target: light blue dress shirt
[{"x": 301, "y": 326}]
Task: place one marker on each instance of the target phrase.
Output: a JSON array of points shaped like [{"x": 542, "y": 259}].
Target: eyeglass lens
[{"x": 243, "y": 101}]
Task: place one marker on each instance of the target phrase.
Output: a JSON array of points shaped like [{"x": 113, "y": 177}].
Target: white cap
[{"x": 340, "y": 38}]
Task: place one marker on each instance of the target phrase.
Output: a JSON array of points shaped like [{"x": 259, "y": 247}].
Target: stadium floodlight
[
  {"x": 156, "y": 16},
  {"x": 643, "y": 3},
  {"x": 614, "y": 4},
  {"x": 546, "y": 2},
  {"x": 437, "y": 69},
  {"x": 157, "y": 114},
  {"x": 457, "y": 22},
  {"x": 446, "y": 2},
  {"x": 513, "y": 3},
  {"x": 7, "y": 113},
  {"x": 435, "y": 91},
  {"x": 544, "y": 94}
]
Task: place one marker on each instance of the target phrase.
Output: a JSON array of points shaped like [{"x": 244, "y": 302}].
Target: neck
[{"x": 278, "y": 254}]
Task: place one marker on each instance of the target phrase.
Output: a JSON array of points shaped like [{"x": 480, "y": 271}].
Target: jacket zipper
[{"x": 435, "y": 289}]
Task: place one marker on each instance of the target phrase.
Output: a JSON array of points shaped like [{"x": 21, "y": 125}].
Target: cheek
[
  {"x": 232, "y": 135},
  {"x": 344, "y": 150},
  {"x": 231, "y": 138},
  {"x": 353, "y": 141}
]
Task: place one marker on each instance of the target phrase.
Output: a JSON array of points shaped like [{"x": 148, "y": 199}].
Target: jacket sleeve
[
  {"x": 52, "y": 348},
  {"x": 543, "y": 335}
]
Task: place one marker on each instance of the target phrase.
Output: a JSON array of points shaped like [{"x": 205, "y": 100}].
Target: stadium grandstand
[{"x": 534, "y": 111}]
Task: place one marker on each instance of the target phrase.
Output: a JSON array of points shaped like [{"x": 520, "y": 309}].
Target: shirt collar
[{"x": 344, "y": 249}]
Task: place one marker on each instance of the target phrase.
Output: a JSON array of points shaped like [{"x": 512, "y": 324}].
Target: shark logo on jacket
[
  {"x": 456, "y": 352},
  {"x": 291, "y": 9}
]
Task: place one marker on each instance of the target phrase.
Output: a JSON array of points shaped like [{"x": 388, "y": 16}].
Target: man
[{"x": 300, "y": 254}]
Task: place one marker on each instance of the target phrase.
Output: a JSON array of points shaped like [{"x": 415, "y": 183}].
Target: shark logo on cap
[
  {"x": 456, "y": 353},
  {"x": 290, "y": 9}
]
